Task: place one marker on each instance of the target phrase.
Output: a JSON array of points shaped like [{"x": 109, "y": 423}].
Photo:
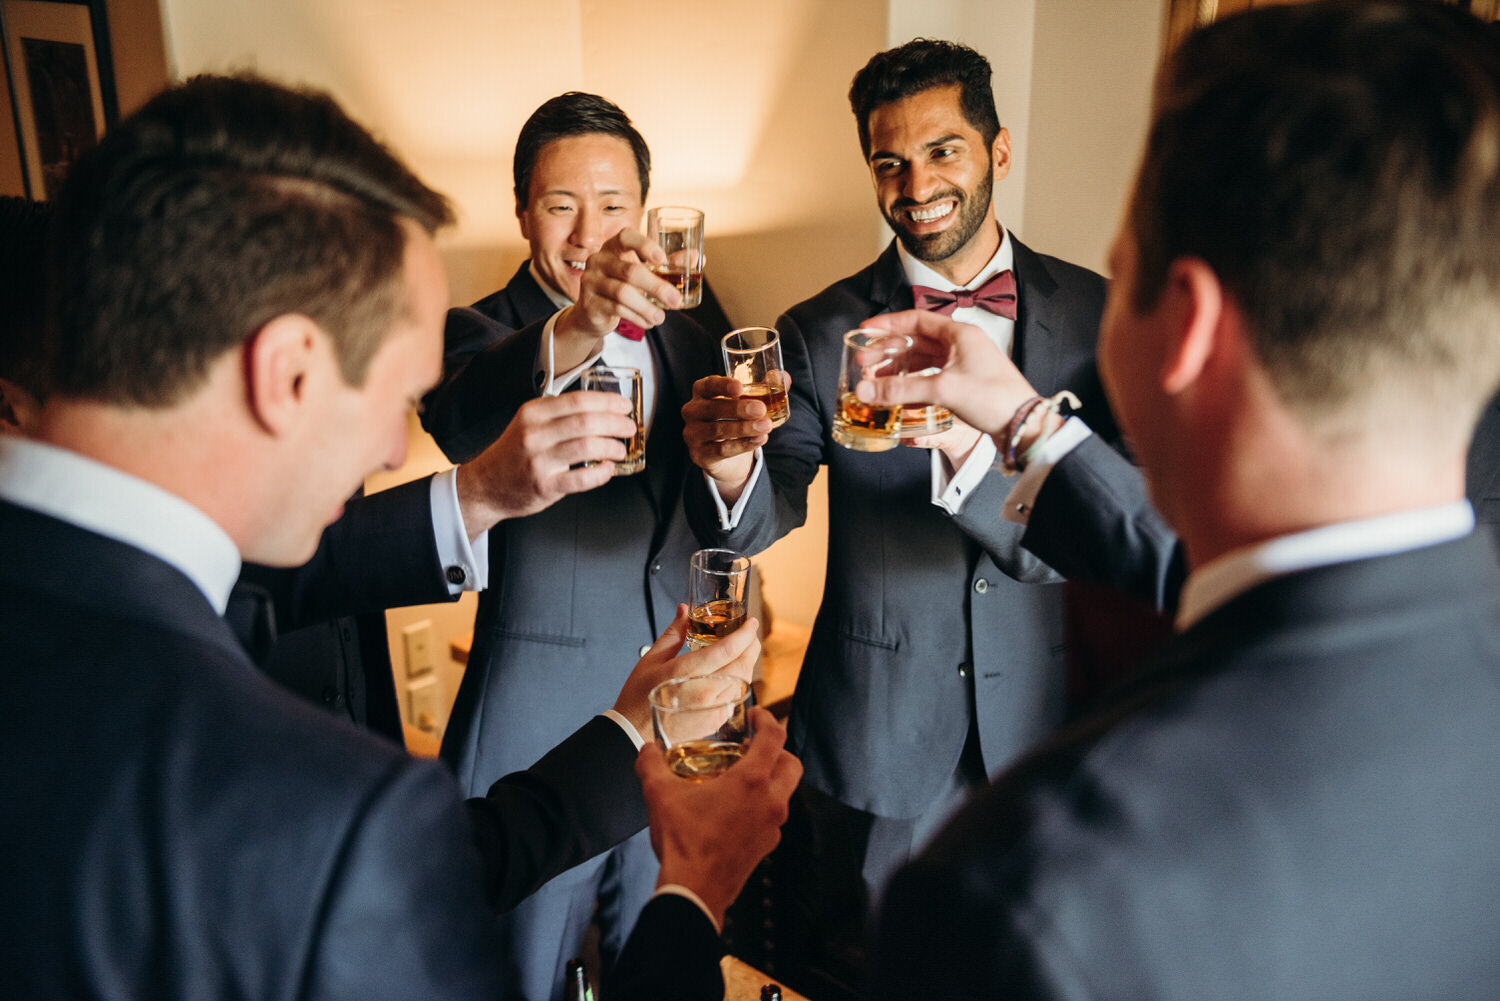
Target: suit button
[
  {"x": 645, "y": 648},
  {"x": 981, "y": 585},
  {"x": 330, "y": 695},
  {"x": 963, "y": 670},
  {"x": 656, "y": 567}
]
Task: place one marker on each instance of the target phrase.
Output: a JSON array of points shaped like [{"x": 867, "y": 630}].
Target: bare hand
[
  {"x": 710, "y": 835},
  {"x": 722, "y": 429},
  {"x": 955, "y": 444},
  {"x": 616, "y": 285},
  {"x": 976, "y": 380},
  {"x": 734, "y": 655},
  {"x": 530, "y": 466}
]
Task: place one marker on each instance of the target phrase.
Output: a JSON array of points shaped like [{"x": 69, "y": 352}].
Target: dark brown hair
[{"x": 221, "y": 204}]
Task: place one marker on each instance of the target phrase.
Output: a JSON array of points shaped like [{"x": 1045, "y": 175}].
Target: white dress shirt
[
  {"x": 1236, "y": 572},
  {"x": 112, "y": 503}
]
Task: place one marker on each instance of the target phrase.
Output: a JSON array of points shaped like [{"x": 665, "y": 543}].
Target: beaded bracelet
[
  {"x": 1010, "y": 435},
  {"x": 1032, "y": 407}
]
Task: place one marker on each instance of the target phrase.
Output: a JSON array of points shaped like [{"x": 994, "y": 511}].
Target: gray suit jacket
[
  {"x": 576, "y": 591},
  {"x": 1298, "y": 800},
  {"x": 927, "y": 621}
]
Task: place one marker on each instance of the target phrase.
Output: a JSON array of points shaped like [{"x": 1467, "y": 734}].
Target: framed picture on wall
[{"x": 61, "y": 83}]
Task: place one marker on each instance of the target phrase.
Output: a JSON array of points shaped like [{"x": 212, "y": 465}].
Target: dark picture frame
[{"x": 61, "y": 82}]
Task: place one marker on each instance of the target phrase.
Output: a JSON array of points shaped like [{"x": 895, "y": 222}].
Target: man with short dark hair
[
  {"x": 596, "y": 575},
  {"x": 938, "y": 653},
  {"x": 251, "y": 300},
  {"x": 1297, "y": 797}
]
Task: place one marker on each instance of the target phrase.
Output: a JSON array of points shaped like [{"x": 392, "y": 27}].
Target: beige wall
[{"x": 744, "y": 105}]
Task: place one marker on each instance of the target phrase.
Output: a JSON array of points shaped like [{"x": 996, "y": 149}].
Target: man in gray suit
[
  {"x": 1298, "y": 797},
  {"x": 938, "y": 652}
]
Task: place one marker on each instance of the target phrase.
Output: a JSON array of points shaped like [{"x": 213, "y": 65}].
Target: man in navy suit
[
  {"x": 249, "y": 301},
  {"x": 938, "y": 653},
  {"x": 591, "y": 579},
  {"x": 1297, "y": 797}
]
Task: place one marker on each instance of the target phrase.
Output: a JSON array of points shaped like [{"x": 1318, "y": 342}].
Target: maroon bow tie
[
  {"x": 630, "y": 330},
  {"x": 998, "y": 296}
]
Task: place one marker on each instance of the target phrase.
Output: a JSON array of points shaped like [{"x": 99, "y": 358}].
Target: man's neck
[{"x": 964, "y": 265}]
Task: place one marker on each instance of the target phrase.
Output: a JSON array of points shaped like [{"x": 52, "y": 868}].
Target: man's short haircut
[
  {"x": 23, "y": 291},
  {"x": 1338, "y": 166},
  {"x": 575, "y": 114},
  {"x": 221, "y": 204},
  {"x": 922, "y": 64}
]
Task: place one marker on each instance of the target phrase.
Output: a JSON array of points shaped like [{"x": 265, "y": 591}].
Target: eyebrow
[
  {"x": 933, "y": 144},
  {"x": 573, "y": 194}
]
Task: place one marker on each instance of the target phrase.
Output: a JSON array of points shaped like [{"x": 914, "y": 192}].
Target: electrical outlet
[
  {"x": 417, "y": 639},
  {"x": 422, "y": 704}
]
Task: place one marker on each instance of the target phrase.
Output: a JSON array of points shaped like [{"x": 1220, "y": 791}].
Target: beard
[{"x": 940, "y": 246}]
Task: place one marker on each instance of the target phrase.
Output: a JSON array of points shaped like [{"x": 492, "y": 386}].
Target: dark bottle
[
  {"x": 770, "y": 992},
  {"x": 576, "y": 986}
]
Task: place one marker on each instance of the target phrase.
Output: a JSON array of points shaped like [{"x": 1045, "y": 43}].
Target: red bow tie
[
  {"x": 998, "y": 296},
  {"x": 629, "y": 330}
]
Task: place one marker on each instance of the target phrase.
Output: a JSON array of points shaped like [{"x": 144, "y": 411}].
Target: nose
[
  {"x": 588, "y": 230},
  {"x": 922, "y": 182},
  {"x": 396, "y": 455}
]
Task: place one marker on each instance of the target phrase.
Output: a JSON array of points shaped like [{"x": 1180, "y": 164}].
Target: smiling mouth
[
  {"x": 923, "y": 215},
  {"x": 575, "y": 265}
]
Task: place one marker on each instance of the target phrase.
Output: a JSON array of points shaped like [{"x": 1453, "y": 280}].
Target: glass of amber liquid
[
  {"x": 918, "y": 420},
  {"x": 752, "y": 356},
  {"x": 718, "y": 580},
  {"x": 626, "y": 382},
  {"x": 678, "y": 231},
  {"x": 701, "y": 723},
  {"x": 869, "y": 354}
]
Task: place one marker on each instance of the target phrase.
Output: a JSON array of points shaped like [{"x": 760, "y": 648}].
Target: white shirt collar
[
  {"x": 1236, "y": 572},
  {"x": 918, "y": 273},
  {"x": 104, "y": 500}
]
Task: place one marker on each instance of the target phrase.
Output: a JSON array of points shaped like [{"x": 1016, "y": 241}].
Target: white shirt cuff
[
  {"x": 729, "y": 518},
  {"x": 466, "y": 564},
  {"x": 553, "y": 385},
  {"x": 1022, "y": 497},
  {"x": 683, "y": 891},
  {"x": 627, "y": 726},
  {"x": 950, "y": 494}
]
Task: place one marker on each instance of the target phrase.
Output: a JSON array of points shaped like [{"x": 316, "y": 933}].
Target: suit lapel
[{"x": 1035, "y": 351}]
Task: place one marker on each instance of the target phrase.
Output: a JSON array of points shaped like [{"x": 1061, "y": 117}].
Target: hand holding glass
[
  {"x": 752, "y": 356},
  {"x": 678, "y": 231},
  {"x": 869, "y": 354},
  {"x": 701, "y": 723},
  {"x": 627, "y": 383},
  {"x": 717, "y": 583}
]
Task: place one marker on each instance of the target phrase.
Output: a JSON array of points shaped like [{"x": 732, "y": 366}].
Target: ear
[
  {"x": 522, "y": 219},
  {"x": 18, "y": 408},
  {"x": 1000, "y": 153},
  {"x": 278, "y": 362},
  {"x": 1195, "y": 304}
]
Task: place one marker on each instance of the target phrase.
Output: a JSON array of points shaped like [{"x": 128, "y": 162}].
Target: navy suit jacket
[
  {"x": 175, "y": 825},
  {"x": 927, "y": 620},
  {"x": 578, "y": 590},
  {"x": 1093, "y": 519},
  {"x": 1297, "y": 800}
]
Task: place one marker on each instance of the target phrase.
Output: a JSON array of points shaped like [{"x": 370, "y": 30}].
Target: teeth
[
  {"x": 575, "y": 265},
  {"x": 931, "y": 213}
]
